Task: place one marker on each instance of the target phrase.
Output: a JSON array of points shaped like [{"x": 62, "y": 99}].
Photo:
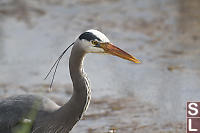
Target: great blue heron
[{"x": 49, "y": 117}]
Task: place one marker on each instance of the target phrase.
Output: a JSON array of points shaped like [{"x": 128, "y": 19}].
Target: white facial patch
[
  {"x": 88, "y": 47},
  {"x": 84, "y": 42}
]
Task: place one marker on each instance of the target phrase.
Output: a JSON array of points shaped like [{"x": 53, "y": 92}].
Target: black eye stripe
[{"x": 88, "y": 36}]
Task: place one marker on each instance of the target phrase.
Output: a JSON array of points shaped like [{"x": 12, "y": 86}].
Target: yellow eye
[{"x": 94, "y": 42}]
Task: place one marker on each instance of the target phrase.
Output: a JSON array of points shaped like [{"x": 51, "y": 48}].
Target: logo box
[{"x": 193, "y": 117}]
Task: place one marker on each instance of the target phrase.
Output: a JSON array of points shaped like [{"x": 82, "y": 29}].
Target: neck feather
[
  {"x": 72, "y": 111},
  {"x": 81, "y": 92}
]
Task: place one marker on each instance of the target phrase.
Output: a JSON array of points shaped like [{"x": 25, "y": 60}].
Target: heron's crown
[{"x": 92, "y": 34}]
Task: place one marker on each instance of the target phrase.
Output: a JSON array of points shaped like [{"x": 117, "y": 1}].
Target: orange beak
[{"x": 113, "y": 50}]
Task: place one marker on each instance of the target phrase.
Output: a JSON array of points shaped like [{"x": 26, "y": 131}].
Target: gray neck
[
  {"x": 81, "y": 89},
  {"x": 72, "y": 111}
]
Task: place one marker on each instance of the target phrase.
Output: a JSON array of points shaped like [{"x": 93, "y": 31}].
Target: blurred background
[{"x": 148, "y": 97}]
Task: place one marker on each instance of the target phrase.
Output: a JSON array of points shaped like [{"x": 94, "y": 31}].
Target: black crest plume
[{"x": 55, "y": 65}]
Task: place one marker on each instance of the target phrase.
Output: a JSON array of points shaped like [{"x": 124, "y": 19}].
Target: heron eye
[{"x": 94, "y": 42}]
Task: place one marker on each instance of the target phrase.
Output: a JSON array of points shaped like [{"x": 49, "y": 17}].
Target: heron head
[{"x": 93, "y": 41}]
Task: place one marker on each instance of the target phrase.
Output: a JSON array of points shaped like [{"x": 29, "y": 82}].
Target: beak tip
[{"x": 138, "y": 62}]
